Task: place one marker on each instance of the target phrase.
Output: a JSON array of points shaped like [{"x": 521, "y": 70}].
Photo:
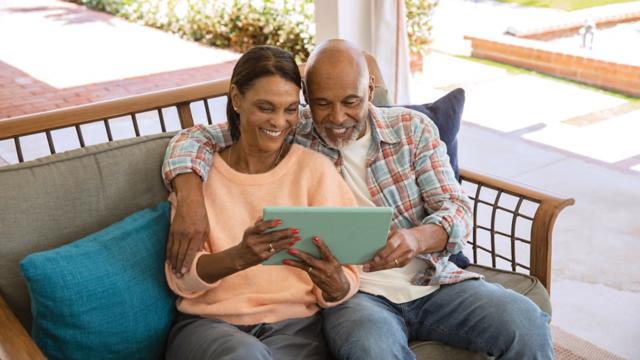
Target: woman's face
[{"x": 268, "y": 112}]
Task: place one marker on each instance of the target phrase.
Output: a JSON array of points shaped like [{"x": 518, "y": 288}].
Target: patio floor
[
  {"x": 60, "y": 54},
  {"x": 571, "y": 140}
]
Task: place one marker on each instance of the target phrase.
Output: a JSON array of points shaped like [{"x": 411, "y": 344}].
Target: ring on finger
[
  {"x": 396, "y": 262},
  {"x": 271, "y": 249}
]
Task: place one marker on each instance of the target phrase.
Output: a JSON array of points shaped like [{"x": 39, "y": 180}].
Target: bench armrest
[
  {"x": 549, "y": 206},
  {"x": 15, "y": 342}
]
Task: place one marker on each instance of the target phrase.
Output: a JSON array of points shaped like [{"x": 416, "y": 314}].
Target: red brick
[
  {"x": 17, "y": 99},
  {"x": 9, "y": 86},
  {"x": 37, "y": 108},
  {"x": 28, "y": 101}
]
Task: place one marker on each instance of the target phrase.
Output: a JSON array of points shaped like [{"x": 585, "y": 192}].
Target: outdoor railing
[{"x": 105, "y": 112}]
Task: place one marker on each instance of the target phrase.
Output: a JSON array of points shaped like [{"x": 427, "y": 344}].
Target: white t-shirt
[{"x": 394, "y": 284}]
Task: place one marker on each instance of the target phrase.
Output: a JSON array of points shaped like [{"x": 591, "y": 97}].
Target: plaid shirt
[{"x": 407, "y": 169}]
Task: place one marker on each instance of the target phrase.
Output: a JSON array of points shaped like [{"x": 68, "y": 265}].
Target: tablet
[{"x": 353, "y": 234}]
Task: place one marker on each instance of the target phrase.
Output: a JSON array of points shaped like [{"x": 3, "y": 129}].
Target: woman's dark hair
[{"x": 260, "y": 61}]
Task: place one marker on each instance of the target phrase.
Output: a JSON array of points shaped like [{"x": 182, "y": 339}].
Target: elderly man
[{"x": 389, "y": 157}]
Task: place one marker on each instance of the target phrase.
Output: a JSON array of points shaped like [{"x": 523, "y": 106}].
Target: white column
[
  {"x": 346, "y": 19},
  {"x": 376, "y": 26},
  {"x": 390, "y": 47}
]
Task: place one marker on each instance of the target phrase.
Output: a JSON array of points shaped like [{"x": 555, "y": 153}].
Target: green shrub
[
  {"x": 234, "y": 24},
  {"x": 242, "y": 24}
]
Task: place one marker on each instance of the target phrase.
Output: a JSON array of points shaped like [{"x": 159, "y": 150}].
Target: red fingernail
[
  {"x": 293, "y": 251},
  {"x": 295, "y": 231},
  {"x": 292, "y": 243},
  {"x": 316, "y": 240},
  {"x": 278, "y": 222},
  {"x": 286, "y": 262},
  {"x": 297, "y": 238}
]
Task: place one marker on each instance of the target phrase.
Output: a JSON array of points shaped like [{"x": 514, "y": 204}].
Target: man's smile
[{"x": 339, "y": 131}]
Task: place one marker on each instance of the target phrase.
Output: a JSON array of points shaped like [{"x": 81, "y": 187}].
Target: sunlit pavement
[
  {"x": 552, "y": 135},
  {"x": 56, "y": 54}
]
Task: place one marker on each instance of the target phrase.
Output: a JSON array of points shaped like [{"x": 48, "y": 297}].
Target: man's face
[{"x": 339, "y": 105}]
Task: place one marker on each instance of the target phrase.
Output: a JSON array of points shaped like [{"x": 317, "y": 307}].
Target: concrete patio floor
[{"x": 540, "y": 132}]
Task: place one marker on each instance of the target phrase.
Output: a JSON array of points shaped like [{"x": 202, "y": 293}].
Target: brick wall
[{"x": 541, "y": 57}]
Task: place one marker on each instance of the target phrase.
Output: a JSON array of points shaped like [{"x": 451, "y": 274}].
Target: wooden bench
[{"x": 493, "y": 198}]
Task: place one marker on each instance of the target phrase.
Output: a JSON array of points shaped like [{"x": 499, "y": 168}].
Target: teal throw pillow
[{"x": 105, "y": 295}]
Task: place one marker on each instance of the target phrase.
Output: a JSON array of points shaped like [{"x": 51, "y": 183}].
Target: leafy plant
[
  {"x": 419, "y": 14},
  {"x": 242, "y": 24},
  {"x": 235, "y": 24}
]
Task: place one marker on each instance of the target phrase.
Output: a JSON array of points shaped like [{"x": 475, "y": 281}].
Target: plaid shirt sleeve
[
  {"x": 192, "y": 149},
  {"x": 443, "y": 196}
]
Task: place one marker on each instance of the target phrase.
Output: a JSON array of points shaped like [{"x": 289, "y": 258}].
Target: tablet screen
[{"x": 353, "y": 234}]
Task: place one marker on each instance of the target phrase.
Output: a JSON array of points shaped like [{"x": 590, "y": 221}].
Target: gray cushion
[
  {"x": 526, "y": 285},
  {"x": 52, "y": 201},
  {"x": 433, "y": 350}
]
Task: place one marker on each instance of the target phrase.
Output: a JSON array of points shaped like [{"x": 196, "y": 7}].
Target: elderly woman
[{"x": 230, "y": 306}]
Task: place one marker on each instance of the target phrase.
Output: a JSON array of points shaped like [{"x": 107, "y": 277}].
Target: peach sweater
[{"x": 261, "y": 294}]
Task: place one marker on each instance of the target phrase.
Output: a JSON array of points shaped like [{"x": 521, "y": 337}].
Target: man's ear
[
  {"x": 372, "y": 86},
  {"x": 305, "y": 92}
]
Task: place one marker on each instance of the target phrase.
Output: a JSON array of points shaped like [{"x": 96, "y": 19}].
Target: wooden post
[
  {"x": 541, "y": 239},
  {"x": 184, "y": 113}
]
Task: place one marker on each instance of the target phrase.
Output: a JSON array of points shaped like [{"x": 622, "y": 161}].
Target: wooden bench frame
[{"x": 15, "y": 342}]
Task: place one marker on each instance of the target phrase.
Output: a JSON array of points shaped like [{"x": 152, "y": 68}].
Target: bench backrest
[{"x": 58, "y": 199}]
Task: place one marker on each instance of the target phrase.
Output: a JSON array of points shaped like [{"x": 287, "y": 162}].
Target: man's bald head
[
  {"x": 338, "y": 90},
  {"x": 336, "y": 56}
]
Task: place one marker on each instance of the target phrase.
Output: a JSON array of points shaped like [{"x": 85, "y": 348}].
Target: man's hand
[
  {"x": 326, "y": 272},
  {"x": 190, "y": 225},
  {"x": 402, "y": 246}
]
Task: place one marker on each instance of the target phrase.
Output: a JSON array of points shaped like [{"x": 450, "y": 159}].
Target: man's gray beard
[{"x": 358, "y": 129}]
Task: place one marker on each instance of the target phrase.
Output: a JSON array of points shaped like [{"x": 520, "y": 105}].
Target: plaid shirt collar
[{"x": 381, "y": 129}]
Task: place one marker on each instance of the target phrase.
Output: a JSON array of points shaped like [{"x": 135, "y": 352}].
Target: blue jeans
[
  {"x": 473, "y": 315},
  {"x": 194, "y": 337}
]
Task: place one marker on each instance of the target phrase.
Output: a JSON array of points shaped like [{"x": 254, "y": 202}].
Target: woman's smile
[{"x": 273, "y": 133}]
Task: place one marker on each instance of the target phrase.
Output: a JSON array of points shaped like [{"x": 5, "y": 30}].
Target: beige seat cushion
[{"x": 526, "y": 285}]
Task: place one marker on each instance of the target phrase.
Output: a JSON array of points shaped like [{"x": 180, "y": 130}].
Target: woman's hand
[
  {"x": 326, "y": 273},
  {"x": 257, "y": 245}
]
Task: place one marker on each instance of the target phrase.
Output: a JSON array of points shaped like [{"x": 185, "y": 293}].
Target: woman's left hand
[{"x": 326, "y": 272}]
